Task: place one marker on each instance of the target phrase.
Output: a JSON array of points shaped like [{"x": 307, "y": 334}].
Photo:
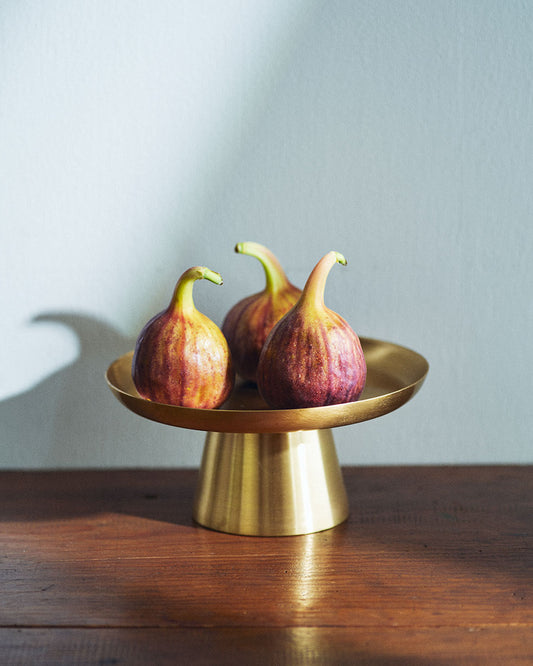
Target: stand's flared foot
[{"x": 278, "y": 484}]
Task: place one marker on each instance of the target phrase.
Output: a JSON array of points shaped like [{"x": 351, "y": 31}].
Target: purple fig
[
  {"x": 248, "y": 323},
  {"x": 181, "y": 357},
  {"x": 312, "y": 357}
]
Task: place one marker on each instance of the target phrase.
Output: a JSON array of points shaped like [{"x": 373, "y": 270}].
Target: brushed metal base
[
  {"x": 270, "y": 484},
  {"x": 286, "y": 478}
]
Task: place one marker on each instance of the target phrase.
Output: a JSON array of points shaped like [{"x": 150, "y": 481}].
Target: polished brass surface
[
  {"x": 268, "y": 472},
  {"x": 394, "y": 375},
  {"x": 270, "y": 484}
]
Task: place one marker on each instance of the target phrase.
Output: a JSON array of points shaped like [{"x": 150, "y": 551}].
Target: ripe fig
[
  {"x": 312, "y": 357},
  {"x": 181, "y": 357},
  {"x": 249, "y": 321}
]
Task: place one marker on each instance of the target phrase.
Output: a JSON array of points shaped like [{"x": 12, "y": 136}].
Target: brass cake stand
[{"x": 275, "y": 472}]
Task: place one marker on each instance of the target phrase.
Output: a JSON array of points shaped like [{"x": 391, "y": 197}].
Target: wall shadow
[{"x": 71, "y": 419}]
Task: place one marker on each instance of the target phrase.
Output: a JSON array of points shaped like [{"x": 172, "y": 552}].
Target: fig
[
  {"x": 249, "y": 321},
  {"x": 312, "y": 357},
  {"x": 181, "y": 357}
]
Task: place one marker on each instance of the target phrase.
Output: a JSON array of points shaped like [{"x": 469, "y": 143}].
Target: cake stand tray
[{"x": 274, "y": 472}]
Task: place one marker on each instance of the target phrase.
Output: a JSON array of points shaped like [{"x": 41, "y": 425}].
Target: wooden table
[{"x": 434, "y": 566}]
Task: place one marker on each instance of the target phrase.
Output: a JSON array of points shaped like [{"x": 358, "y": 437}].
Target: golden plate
[{"x": 394, "y": 375}]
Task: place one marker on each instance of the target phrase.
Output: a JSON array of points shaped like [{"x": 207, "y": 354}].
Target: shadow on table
[{"x": 414, "y": 553}]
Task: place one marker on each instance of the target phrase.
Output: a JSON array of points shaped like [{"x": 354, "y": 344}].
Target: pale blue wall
[{"x": 140, "y": 138}]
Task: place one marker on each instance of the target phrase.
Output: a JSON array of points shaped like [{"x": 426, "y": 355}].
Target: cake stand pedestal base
[
  {"x": 275, "y": 472},
  {"x": 270, "y": 484}
]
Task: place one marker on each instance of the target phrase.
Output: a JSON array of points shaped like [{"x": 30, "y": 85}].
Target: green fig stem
[
  {"x": 182, "y": 299},
  {"x": 313, "y": 292},
  {"x": 276, "y": 278}
]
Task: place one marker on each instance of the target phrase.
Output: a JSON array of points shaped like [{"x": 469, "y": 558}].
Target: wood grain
[
  {"x": 434, "y": 564},
  {"x": 300, "y": 646}
]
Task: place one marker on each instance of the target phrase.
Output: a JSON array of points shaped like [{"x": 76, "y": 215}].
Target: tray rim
[{"x": 272, "y": 420}]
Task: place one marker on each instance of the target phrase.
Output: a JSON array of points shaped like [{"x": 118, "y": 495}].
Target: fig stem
[
  {"x": 276, "y": 279},
  {"x": 182, "y": 299},
  {"x": 313, "y": 291}
]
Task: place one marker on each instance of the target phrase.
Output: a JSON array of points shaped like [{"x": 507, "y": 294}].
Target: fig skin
[
  {"x": 249, "y": 321},
  {"x": 181, "y": 357},
  {"x": 312, "y": 357}
]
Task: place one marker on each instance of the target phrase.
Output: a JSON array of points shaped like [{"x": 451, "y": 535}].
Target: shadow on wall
[{"x": 71, "y": 419}]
